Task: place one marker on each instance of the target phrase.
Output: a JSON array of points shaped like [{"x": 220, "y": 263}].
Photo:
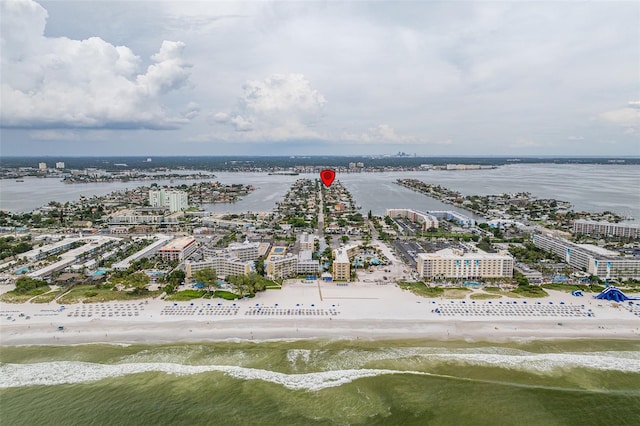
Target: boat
[{"x": 19, "y": 180}]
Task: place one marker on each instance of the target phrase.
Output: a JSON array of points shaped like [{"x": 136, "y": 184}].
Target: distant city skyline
[{"x": 167, "y": 78}]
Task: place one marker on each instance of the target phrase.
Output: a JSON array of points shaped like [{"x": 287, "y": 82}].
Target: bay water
[{"x": 587, "y": 187}]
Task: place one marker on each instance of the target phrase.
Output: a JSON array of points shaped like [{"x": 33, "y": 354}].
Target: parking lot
[
  {"x": 408, "y": 251},
  {"x": 407, "y": 227}
]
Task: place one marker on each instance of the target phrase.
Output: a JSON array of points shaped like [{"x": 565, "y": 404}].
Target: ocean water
[{"x": 324, "y": 382}]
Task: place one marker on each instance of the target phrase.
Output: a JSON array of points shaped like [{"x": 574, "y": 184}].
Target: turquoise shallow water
[{"x": 320, "y": 382}]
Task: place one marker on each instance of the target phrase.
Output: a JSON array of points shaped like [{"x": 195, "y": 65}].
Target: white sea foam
[
  {"x": 295, "y": 356},
  {"x": 602, "y": 361},
  {"x": 69, "y": 372},
  {"x": 508, "y": 358},
  {"x": 335, "y": 373}
]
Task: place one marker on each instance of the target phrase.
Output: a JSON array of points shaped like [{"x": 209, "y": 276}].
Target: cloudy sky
[{"x": 297, "y": 78}]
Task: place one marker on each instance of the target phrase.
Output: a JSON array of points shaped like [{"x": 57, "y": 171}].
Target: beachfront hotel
[
  {"x": 592, "y": 259},
  {"x": 281, "y": 266},
  {"x": 592, "y": 227},
  {"x": 236, "y": 259},
  {"x": 224, "y": 264},
  {"x": 453, "y": 263},
  {"x": 341, "y": 265},
  {"x": 178, "y": 249}
]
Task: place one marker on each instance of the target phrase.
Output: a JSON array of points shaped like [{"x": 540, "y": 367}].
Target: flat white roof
[
  {"x": 449, "y": 253},
  {"x": 179, "y": 243},
  {"x": 341, "y": 256},
  {"x": 599, "y": 250}
]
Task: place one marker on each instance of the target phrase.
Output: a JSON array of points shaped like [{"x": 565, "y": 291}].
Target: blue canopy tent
[{"x": 613, "y": 293}]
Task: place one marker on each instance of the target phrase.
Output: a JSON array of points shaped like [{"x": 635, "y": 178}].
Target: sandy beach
[{"x": 319, "y": 310}]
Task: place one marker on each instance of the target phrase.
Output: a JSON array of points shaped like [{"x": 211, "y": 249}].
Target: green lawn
[
  {"x": 456, "y": 293},
  {"x": 226, "y": 295},
  {"x": 13, "y": 297},
  {"x": 46, "y": 298},
  {"x": 91, "y": 294},
  {"x": 482, "y": 296},
  {"x": 528, "y": 291},
  {"x": 496, "y": 290},
  {"x": 185, "y": 295},
  {"x": 593, "y": 288},
  {"x": 421, "y": 289}
]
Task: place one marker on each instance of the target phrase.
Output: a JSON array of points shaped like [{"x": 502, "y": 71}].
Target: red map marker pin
[{"x": 327, "y": 177}]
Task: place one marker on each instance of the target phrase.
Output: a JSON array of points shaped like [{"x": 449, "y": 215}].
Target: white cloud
[
  {"x": 575, "y": 138},
  {"x": 623, "y": 117},
  {"x": 68, "y": 135},
  {"x": 527, "y": 143},
  {"x": 241, "y": 124},
  {"x": 57, "y": 82},
  {"x": 279, "y": 108},
  {"x": 220, "y": 117},
  {"x": 192, "y": 111},
  {"x": 383, "y": 133}
]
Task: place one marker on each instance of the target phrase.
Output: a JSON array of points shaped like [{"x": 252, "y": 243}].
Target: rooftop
[{"x": 179, "y": 243}]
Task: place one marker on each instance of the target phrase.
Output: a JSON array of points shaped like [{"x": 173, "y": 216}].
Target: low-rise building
[
  {"x": 591, "y": 259},
  {"x": 148, "y": 251},
  {"x": 306, "y": 264},
  {"x": 426, "y": 220},
  {"x": 459, "y": 218},
  {"x": 592, "y": 227}
]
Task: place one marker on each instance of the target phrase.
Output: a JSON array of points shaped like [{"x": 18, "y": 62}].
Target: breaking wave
[
  {"x": 69, "y": 372},
  {"x": 333, "y": 369}
]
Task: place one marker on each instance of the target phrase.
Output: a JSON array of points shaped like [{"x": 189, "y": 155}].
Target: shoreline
[
  {"x": 323, "y": 311},
  {"x": 202, "y": 333}
]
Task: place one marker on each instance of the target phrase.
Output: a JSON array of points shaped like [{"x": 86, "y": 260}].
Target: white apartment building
[
  {"x": 171, "y": 199},
  {"x": 236, "y": 259},
  {"x": 244, "y": 251},
  {"x": 60, "y": 165},
  {"x": 452, "y": 263},
  {"x": 306, "y": 264},
  {"x": 459, "y": 218},
  {"x": 42, "y": 166},
  {"x": 161, "y": 240},
  {"x": 589, "y": 258},
  {"x": 592, "y": 227},
  {"x": 426, "y": 220}
]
